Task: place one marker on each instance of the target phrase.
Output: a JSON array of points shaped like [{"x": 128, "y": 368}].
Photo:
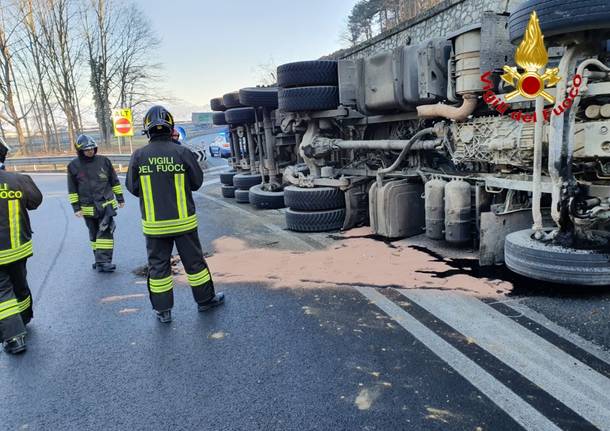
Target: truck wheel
[
  {"x": 218, "y": 118},
  {"x": 530, "y": 258},
  {"x": 559, "y": 17},
  {"x": 242, "y": 196},
  {"x": 239, "y": 115},
  {"x": 217, "y": 105},
  {"x": 259, "y": 97},
  {"x": 227, "y": 191},
  {"x": 308, "y": 98},
  {"x": 265, "y": 200},
  {"x": 231, "y": 100},
  {"x": 315, "y": 221},
  {"x": 316, "y": 199},
  {"x": 307, "y": 73},
  {"x": 226, "y": 178},
  {"x": 245, "y": 181}
]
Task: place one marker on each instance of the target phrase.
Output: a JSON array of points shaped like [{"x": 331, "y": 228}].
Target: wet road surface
[{"x": 331, "y": 358}]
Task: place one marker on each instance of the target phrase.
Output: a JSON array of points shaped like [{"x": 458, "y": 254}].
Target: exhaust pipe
[{"x": 454, "y": 113}]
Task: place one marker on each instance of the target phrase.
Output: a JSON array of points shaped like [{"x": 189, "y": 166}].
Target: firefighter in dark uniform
[
  {"x": 95, "y": 194},
  {"x": 18, "y": 194},
  {"x": 163, "y": 175}
]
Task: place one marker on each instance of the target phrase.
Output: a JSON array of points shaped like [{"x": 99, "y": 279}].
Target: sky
[{"x": 212, "y": 47}]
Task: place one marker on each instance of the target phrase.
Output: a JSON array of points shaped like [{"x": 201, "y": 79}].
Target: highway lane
[{"x": 339, "y": 358}]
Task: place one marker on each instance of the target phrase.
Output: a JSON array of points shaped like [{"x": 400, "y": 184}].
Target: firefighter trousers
[
  {"x": 160, "y": 281},
  {"x": 102, "y": 242},
  {"x": 15, "y": 300}
]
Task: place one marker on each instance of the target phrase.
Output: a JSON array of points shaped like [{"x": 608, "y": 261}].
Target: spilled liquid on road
[{"x": 364, "y": 262}]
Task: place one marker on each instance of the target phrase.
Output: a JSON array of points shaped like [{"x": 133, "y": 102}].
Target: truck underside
[{"x": 450, "y": 139}]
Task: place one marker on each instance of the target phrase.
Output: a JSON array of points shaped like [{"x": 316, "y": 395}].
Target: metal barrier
[
  {"x": 119, "y": 160},
  {"x": 60, "y": 160}
]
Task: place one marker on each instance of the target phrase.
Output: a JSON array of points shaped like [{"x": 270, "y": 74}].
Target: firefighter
[
  {"x": 176, "y": 137},
  {"x": 95, "y": 194},
  {"x": 164, "y": 175},
  {"x": 18, "y": 195}
]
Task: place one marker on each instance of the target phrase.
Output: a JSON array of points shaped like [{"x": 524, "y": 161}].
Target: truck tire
[
  {"x": 315, "y": 221},
  {"x": 559, "y": 17},
  {"x": 242, "y": 196},
  {"x": 245, "y": 181},
  {"x": 265, "y": 200},
  {"x": 316, "y": 199},
  {"x": 231, "y": 100},
  {"x": 308, "y": 98},
  {"x": 218, "y": 118},
  {"x": 240, "y": 115},
  {"x": 265, "y": 97},
  {"x": 552, "y": 263},
  {"x": 227, "y": 191},
  {"x": 226, "y": 178},
  {"x": 307, "y": 73},
  {"x": 217, "y": 105}
]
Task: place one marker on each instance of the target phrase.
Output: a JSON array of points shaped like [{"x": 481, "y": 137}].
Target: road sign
[
  {"x": 123, "y": 122},
  {"x": 200, "y": 155},
  {"x": 181, "y": 132},
  {"x": 202, "y": 118}
]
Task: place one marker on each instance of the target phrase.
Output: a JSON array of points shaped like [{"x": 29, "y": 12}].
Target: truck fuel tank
[
  {"x": 458, "y": 218},
  {"x": 435, "y": 208},
  {"x": 397, "y": 208}
]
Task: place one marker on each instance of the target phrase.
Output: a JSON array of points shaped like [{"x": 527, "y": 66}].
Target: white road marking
[
  {"x": 570, "y": 381},
  {"x": 575, "y": 339},
  {"x": 523, "y": 413}
]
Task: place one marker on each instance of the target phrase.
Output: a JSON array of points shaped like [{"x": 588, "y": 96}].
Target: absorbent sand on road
[{"x": 353, "y": 260}]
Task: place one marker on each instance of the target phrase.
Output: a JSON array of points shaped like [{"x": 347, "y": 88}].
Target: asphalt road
[{"x": 336, "y": 358}]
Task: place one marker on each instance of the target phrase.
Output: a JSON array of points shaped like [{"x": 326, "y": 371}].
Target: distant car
[{"x": 220, "y": 148}]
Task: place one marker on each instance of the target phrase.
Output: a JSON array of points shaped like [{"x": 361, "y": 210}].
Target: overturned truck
[{"x": 497, "y": 137}]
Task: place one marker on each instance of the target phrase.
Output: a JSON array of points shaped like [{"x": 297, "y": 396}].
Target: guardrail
[
  {"x": 59, "y": 163},
  {"x": 120, "y": 160},
  {"x": 60, "y": 160}
]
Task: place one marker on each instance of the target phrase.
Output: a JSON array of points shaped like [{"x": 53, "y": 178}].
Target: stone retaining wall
[{"x": 446, "y": 17}]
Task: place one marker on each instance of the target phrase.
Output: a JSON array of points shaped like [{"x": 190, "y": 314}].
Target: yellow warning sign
[{"x": 123, "y": 122}]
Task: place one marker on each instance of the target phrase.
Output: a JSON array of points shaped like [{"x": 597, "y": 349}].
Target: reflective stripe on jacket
[
  {"x": 18, "y": 194},
  {"x": 93, "y": 182},
  {"x": 164, "y": 175}
]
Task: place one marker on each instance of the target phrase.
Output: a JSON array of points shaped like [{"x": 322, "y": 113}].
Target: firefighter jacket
[
  {"x": 18, "y": 194},
  {"x": 93, "y": 185},
  {"x": 164, "y": 175}
]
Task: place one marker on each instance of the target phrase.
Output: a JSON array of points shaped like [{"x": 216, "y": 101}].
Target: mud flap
[
  {"x": 494, "y": 228},
  {"x": 357, "y": 204}
]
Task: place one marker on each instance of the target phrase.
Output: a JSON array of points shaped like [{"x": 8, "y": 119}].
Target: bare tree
[
  {"x": 51, "y": 49},
  {"x": 267, "y": 73},
  {"x": 63, "y": 54},
  {"x": 120, "y": 46},
  {"x": 8, "y": 98},
  {"x": 34, "y": 68},
  {"x": 99, "y": 26},
  {"x": 134, "y": 71}
]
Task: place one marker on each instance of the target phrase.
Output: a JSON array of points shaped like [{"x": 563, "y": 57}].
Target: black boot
[
  {"x": 94, "y": 265},
  {"x": 106, "y": 267},
  {"x": 217, "y": 300},
  {"x": 15, "y": 345},
  {"x": 164, "y": 316}
]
